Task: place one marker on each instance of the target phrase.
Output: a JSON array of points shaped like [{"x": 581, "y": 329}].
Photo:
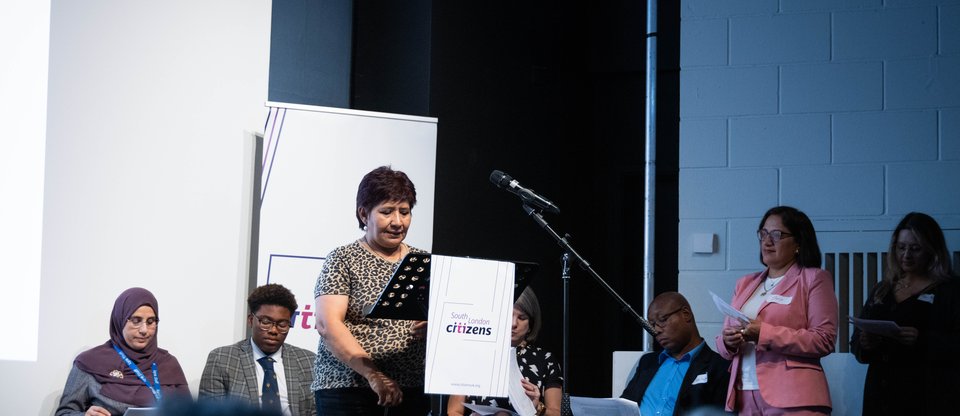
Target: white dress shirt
[
  {"x": 751, "y": 308},
  {"x": 277, "y": 368}
]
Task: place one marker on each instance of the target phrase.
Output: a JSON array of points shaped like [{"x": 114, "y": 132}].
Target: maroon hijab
[{"x": 105, "y": 365}]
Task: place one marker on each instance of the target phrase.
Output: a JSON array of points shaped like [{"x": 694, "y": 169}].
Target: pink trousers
[{"x": 749, "y": 403}]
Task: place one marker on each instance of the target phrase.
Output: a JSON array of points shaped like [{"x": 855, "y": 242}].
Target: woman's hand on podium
[{"x": 418, "y": 329}]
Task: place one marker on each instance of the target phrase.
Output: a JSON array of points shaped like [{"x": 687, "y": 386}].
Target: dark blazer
[
  {"x": 691, "y": 396},
  {"x": 230, "y": 373},
  {"x": 924, "y": 372}
]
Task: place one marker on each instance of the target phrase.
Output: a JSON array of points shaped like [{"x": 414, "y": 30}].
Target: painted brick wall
[{"x": 847, "y": 109}]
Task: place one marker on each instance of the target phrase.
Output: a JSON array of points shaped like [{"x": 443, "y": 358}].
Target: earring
[
  {"x": 364, "y": 227},
  {"x": 796, "y": 252}
]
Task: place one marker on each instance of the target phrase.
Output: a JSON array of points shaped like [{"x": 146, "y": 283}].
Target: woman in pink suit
[{"x": 793, "y": 322}]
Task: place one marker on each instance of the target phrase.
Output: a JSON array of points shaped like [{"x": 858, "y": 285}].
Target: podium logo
[{"x": 471, "y": 326}]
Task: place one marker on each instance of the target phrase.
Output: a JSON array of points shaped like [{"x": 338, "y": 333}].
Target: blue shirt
[{"x": 661, "y": 394}]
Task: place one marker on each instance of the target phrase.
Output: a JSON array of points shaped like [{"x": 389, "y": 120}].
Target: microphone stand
[
  {"x": 569, "y": 252},
  {"x": 565, "y": 398}
]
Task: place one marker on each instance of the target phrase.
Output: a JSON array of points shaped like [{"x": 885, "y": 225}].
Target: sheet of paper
[
  {"x": 140, "y": 411},
  {"x": 518, "y": 399},
  {"x": 468, "y": 327},
  {"x": 487, "y": 410},
  {"x": 606, "y": 406},
  {"x": 873, "y": 326},
  {"x": 728, "y": 310}
]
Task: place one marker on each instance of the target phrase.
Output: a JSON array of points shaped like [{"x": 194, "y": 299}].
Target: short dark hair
[
  {"x": 271, "y": 294},
  {"x": 530, "y": 306},
  {"x": 801, "y": 227},
  {"x": 384, "y": 184}
]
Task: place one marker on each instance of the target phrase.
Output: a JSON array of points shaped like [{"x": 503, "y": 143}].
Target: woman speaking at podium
[
  {"x": 128, "y": 370},
  {"x": 366, "y": 366}
]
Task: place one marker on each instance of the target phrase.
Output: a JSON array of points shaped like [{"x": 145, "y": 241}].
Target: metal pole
[{"x": 650, "y": 170}]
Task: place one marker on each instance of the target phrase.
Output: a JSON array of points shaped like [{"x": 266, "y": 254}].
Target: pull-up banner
[{"x": 313, "y": 160}]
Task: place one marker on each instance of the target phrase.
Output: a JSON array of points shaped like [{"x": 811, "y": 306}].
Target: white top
[
  {"x": 748, "y": 361},
  {"x": 277, "y": 368}
]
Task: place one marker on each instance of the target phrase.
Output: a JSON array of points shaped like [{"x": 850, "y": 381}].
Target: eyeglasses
[
  {"x": 911, "y": 248},
  {"x": 775, "y": 235},
  {"x": 266, "y": 324},
  {"x": 662, "y": 320},
  {"x": 137, "y": 321}
]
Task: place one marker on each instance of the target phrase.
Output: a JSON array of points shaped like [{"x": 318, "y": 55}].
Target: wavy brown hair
[{"x": 930, "y": 236}]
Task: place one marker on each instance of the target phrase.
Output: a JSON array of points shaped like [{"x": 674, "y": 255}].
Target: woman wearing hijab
[{"x": 128, "y": 370}]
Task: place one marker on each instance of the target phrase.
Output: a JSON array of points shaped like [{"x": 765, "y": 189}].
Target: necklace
[
  {"x": 393, "y": 258},
  {"x": 901, "y": 285},
  {"x": 767, "y": 289}
]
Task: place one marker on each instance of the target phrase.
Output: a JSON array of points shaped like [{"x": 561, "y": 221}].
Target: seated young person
[
  {"x": 282, "y": 372},
  {"x": 687, "y": 375}
]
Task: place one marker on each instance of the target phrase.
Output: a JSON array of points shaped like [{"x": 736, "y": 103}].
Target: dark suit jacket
[
  {"x": 713, "y": 393},
  {"x": 230, "y": 373}
]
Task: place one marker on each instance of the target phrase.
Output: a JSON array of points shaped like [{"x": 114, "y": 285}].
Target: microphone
[
  {"x": 504, "y": 181},
  {"x": 647, "y": 326}
]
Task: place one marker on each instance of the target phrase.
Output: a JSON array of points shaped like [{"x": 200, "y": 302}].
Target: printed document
[
  {"x": 522, "y": 405},
  {"x": 612, "y": 407},
  {"x": 518, "y": 398},
  {"x": 885, "y": 328},
  {"x": 729, "y": 310},
  {"x": 468, "y": 327},
  {"x": 487, "y": 410}
]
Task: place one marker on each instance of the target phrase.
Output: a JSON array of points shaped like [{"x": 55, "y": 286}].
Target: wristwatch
[{"x": 541, "y": 408}]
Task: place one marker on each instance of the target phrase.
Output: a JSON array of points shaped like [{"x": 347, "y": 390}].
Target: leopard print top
[{"x": 361, "y": 275}]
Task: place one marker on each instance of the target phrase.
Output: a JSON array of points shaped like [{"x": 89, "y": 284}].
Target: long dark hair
[
  {"x": 801, "y": 227},
  {"x": 930, "y": 236}
]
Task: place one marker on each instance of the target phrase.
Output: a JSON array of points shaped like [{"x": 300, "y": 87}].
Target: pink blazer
[{"x": 798, "y": 327}]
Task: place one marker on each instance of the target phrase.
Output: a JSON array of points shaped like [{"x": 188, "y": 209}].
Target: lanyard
[{"x": 155, "y": 388}]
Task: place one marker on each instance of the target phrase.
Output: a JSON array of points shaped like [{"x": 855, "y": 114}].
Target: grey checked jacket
[{"x": 230, "y": 374}]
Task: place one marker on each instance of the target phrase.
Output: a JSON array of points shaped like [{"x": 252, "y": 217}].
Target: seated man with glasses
[
  {"x": 263, "y": 370},
  {"x": 687, "y": 375}
]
